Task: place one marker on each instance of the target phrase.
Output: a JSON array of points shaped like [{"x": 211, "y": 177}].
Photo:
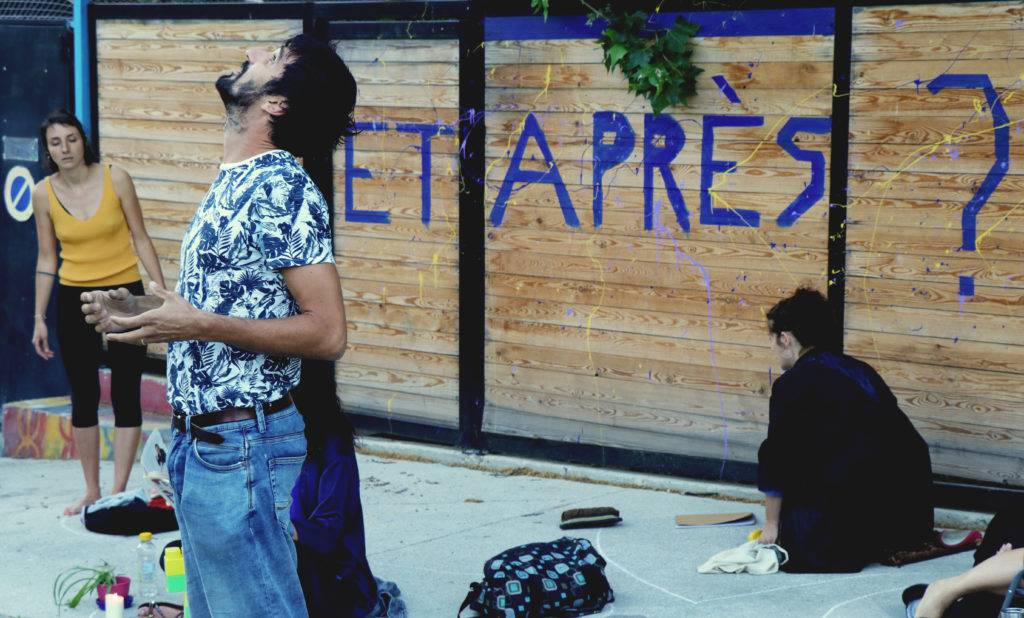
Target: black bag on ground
[
  {"x": 127, "y": 513},
  {"x": 562, "y": 578}
]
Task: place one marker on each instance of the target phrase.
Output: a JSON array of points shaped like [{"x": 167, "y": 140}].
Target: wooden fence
[{"x": 628, "y": 259}]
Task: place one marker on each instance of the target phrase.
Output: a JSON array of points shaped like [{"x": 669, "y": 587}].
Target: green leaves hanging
[{"x": 656, "y": 62}]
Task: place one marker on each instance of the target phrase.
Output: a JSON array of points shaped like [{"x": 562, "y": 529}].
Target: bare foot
[
  {"x": 77, "y": 507},
  {"x": 935, "y": 600}
]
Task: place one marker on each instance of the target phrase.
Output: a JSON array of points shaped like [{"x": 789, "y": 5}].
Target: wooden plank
[
  {"x": 668, "y": 400},
  {"x": 939, "y": 322},
  {"x": 923, "y": 213},
  {"x": 174, "y": 111},
  {"x": 162, "y": 130},
  {"x": 981, "y": 466},
  {"x": 626, "y": 320},
  {"x": 886, "y": 73},
  {"x": 398, "y": 50},
  {"x": 386, "y": 337},
  {"x": 983, "y": 412},
  {"x": 443, "y": 365},
  {"x": 396, "y": 405},
  {"x": 404, "y": 211},
  {"x": 407, "y": 72},
  {"x": 740, "y": 75},
  {"x": 388, "y": 271},
  {"x": 600, "y": 246},
  {"x": 419, "y": 96},
  {"x": 753, "y": 49},
  {"x": 594, "y": 343},
  {"x": 393, "y": 141},
  {"x": 156, "y": 93},
  {"x": 190, "y": 193},
  {"x": 367, "y": 112},
  {"x": 935, "y": 295},
  {"x": 926, "y": 158},
  {"x": 409, "y": 319},
  {"x": 986, "y": 272},
  {"x": 899, "y": 44},
  {"x": 166, "y": 71},
  {"x": 175, "y": 50},
  {"x": 683, "y": 276},
  {"x": 198, "y": 30},
  {"x": 637, "y": 298},
  {"x": 406, "y": 229},
  {"x": 393, "y": 379},
  {"x": 914, "y": 185},
  {"x": 408, "y": 251},
  {"x": 1002, "y": 243},
  {"x": 965, "y": 382},
  {"x": 184, "y": 171},
  {"x": 970, "y": 16},
  {"x": 977, "y": 129},
  {"x": 398, "y": 294},
  {"x": 149, "y": 150},
  {"x": 407, "y": 163},
  {"x": 589, "y": 426},
  {"x": 504, "y": 128},
  {"x": 946, "y": 350},
  {"x": 912, "y": 102},
  {"x": 736, "y": 394},
  {"x": 799, "y": 102}
]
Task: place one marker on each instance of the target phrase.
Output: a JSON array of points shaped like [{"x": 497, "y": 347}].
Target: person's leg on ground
[
  {"x": 177, "y": 457},
  {"x": 80, "y": 348},
  {"x": 992, "y": 575}
]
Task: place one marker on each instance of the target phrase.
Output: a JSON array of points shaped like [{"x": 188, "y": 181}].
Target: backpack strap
[{"x": 472, "y": 601}]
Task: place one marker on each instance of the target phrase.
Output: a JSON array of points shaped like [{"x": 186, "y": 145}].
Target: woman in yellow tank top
[{"x": 92, "y": 211}]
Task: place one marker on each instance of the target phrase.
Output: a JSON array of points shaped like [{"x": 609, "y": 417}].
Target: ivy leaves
[{"x": 656, "y": 62}]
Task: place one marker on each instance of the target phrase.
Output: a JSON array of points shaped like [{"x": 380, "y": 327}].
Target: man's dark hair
[
  {"x": 808, "y": 316},
  {"x": 66, "y": 118},
  {"x": 321, "y": 95}
]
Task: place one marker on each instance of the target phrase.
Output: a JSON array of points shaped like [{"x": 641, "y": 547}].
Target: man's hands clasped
[{"x": 157, "y": 318}]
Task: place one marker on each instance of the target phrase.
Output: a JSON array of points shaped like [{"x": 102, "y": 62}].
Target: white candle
[{"x": 115, "y": 606}]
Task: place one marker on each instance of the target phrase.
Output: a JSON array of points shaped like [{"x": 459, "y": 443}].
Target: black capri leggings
[{"x": 81, "y": 351}]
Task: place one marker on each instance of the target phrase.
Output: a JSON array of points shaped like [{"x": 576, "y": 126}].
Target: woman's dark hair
[
  {"x": 321, "y": 95},
  {"x": 64, "y": 117},
  {"x": 320, "y": 408},
  {"x": 808, "y": 316}
]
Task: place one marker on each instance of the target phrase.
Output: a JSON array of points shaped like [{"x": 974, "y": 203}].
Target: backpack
[{"x": 558, "y": 579}]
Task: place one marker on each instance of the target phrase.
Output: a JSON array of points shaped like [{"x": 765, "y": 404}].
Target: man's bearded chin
[{"x": 235, "y": 98}]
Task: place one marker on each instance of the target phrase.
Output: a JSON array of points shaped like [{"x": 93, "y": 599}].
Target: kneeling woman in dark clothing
[
  {"x": 327, "y": 516},
  {"x": 846, "y": 475}
]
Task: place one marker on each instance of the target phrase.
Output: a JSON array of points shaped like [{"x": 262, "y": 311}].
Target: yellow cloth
[{"x": 96, "y": 251}]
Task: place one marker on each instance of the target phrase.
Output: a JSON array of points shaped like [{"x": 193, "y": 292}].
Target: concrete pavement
[{"x": 420, "y": 513}]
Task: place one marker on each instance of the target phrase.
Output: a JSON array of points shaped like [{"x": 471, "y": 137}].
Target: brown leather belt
[{"x": 228, "y": 415}]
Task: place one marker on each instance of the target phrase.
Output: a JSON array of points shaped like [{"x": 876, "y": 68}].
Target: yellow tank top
[{"x": 96, "y": 251}]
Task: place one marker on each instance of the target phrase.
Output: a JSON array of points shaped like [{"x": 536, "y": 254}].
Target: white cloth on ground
[{"x": 751, "y": 557}]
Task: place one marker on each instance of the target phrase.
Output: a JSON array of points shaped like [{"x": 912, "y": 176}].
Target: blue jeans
[{"x": 232, "y": 502}]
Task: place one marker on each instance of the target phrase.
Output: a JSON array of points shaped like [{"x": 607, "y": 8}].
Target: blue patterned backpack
[{"x": 562, "y": 578}]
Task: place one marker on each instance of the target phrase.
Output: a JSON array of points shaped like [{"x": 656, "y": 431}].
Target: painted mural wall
[{"x": 630, "y": 258}]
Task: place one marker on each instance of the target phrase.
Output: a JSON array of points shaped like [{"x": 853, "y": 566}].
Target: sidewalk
[{"x": 420, "y": 514}]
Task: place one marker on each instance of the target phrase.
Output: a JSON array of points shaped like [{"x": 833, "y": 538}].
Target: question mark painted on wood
[{"x": 1001, "y": 130}]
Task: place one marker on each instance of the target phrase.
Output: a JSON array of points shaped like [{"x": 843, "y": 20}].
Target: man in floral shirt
[{"x": 257, "y": 290}]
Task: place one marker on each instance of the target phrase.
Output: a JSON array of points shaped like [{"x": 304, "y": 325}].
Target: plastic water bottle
[{"x": 146, "y": 585}]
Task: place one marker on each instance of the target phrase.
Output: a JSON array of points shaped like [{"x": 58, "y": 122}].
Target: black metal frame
[{"x": 464, "y": 19}]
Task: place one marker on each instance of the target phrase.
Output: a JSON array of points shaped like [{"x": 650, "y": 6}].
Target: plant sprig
[{"x": 656, "y": 62}]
